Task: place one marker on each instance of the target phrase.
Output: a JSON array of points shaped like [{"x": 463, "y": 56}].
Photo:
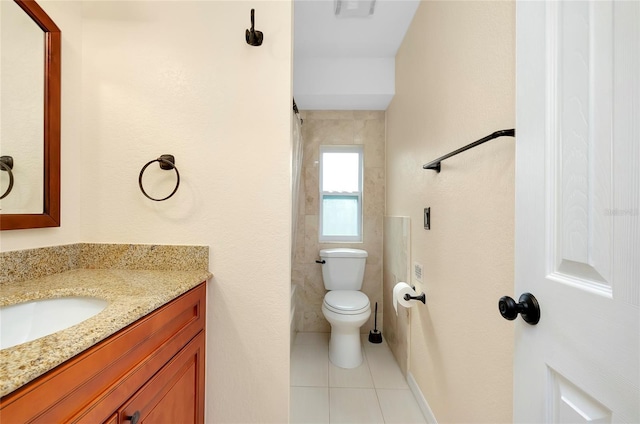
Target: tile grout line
[
  {"x": 375, "y": 389},
  {"x": 328, "y": 385}
]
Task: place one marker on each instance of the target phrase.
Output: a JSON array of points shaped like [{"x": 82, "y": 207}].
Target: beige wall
[
  {"x": 455, "y": 79},
  {"x": 341, "y": 128},
  {"x": 179, "y": 78}
]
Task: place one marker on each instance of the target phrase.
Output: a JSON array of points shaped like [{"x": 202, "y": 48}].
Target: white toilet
[{"x": 344, "y": 306}]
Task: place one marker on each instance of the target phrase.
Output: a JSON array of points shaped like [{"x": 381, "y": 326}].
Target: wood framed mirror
[{"x": 50, "y": 216}]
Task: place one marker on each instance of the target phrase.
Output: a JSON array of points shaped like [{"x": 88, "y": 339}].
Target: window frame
[{"x": 333, "y": 148}]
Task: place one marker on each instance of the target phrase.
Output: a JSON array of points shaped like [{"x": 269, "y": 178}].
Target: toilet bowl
[
  {"x": 346, "y": 311},
  {"x": 344, "y": 306}
]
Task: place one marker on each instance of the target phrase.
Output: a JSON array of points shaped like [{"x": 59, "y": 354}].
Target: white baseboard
[{"x": 422, "y": 402}]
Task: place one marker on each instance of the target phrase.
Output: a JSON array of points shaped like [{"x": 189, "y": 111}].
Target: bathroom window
[{"x": 341, "y": 193}]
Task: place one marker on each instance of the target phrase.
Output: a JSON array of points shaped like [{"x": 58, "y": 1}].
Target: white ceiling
[{"x": 347, "y": 63}]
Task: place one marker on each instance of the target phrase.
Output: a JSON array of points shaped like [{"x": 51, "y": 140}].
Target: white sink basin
[{"x": 28, "y": 321}]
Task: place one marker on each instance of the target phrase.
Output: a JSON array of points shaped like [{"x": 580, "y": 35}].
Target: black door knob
[{"x": 528, "y": 307}]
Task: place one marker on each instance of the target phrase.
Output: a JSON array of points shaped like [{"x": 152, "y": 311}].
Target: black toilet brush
[{"x": 374, "y": 335}]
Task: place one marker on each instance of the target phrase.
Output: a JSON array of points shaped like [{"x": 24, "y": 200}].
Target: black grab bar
[{"x": 435, "y": 164}]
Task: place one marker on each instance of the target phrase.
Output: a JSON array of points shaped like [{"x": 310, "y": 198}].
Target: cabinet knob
[{"x": 133, "y": 418}]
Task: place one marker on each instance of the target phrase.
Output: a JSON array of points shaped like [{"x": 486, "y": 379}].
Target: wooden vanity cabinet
[{"x": 153, "y": 369}]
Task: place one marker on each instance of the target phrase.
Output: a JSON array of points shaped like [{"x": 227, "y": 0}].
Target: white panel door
[{"x": 577, "y": 211}]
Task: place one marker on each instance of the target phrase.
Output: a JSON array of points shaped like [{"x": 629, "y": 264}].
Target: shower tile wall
[
  {"x": 396, "y": 269},
  {"x": 341, "y": 128}
]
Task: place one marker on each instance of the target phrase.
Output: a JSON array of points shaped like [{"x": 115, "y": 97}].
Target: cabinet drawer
[{"x": 92, "y": 385}]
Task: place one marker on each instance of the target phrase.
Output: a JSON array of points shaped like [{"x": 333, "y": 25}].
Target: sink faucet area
[{"x": 24, "y": 322}]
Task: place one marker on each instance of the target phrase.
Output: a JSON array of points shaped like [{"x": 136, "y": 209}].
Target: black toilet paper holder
[{"x": 422, "y": 298}]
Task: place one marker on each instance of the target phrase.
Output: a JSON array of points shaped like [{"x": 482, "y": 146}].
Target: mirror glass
[
  {"x": 29, "y": 117},
  {"x": 21, "y": 109}
]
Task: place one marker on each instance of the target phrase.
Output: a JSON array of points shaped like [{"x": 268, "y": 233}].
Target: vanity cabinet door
[{"x": 175, "y": 394}]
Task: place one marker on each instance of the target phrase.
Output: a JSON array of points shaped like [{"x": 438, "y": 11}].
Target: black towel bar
[{"x": 435, "y": 164}]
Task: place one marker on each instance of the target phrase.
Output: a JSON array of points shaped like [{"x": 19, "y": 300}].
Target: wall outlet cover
[{"x": 418, "y": 271}]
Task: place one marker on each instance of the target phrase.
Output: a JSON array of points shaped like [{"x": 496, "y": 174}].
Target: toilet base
[{"x": 345, "y": 347}]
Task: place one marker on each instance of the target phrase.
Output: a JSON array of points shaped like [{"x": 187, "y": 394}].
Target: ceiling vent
[{"x": 354, "y": 8}]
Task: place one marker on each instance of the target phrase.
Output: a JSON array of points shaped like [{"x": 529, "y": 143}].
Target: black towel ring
[
  {"x": 167, "y": 162},
  {"x": 6, "y": 164}
]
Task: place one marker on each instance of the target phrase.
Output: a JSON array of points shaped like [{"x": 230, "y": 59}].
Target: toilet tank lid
[{"x": 343, "y": 253}]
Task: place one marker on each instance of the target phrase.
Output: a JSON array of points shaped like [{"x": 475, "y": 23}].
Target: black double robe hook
[{"x": 254, "y": 38}]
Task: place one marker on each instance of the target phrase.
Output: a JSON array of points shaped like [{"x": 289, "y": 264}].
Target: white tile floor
[{"x": 375, "y": 392}]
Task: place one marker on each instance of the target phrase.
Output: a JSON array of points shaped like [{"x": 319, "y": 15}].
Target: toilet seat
[{"x": 346, "y": 302}]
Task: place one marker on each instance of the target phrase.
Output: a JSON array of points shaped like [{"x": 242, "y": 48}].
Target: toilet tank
[{"x": 343, "y": 269}]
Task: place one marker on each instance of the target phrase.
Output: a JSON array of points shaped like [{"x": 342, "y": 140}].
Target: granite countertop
[{"x": 131, "y": 294}]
